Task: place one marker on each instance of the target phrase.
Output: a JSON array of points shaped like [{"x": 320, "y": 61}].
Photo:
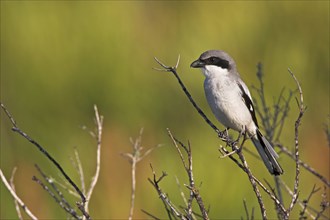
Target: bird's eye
[{"x": 212, "y": 59}]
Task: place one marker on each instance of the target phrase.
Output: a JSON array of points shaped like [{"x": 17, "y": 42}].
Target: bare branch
[
  {"x": 247, "y": 211},
  {"x": 171, "y": 210},
  {"x": 98, "y": 137},
  {"x": 188, "y": 203},
  {"x": 66, "y": 186},
  {"x": 302, "y": 203},
  {"x": 272, "y": 196},
  {"x": 324, "y": 204},
  {"x": 253, "y": 183},
  {"x": 306, "y": 201},
  {"x": 266, "y": 117},
  {"x": 15, "y": 128},
  {"x": 327, "y": 130},
  {"x": 303, "y": 164},
  {"x": 150, "y": 215},
  {"x": 76, "y": 163},
  {"x": 208, "y": 121},
  {"x": 194, "y": 192},
  {"x": 81, "y": 207},
  {"x": 62, "y": 201},
  {"x": 80, "y": 171},
  {"x": 136, "y": 156},
  {"x": 297, "y": 124},
  {"x": 12, "y": 120},
  {"x": 178, "y": 149},
  {"x": 177, "y": 62},
  {"x": 19, "y": 214},
  {"x": 16, "y": 198}
]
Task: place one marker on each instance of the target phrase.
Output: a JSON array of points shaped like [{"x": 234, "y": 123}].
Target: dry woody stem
[{"x": 50, "y": 185}]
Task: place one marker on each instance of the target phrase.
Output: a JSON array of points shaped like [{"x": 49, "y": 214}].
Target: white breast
[{"x": 225, "y": 100}]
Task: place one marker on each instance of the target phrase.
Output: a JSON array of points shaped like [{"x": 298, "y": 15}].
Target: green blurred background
[{"x": 58, "y": 58}]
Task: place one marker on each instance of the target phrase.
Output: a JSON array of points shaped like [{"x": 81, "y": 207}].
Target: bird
[{"x": 230, "y": 101}]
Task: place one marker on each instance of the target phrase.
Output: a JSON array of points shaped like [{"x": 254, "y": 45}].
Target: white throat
[{"x": 211, "y": 71}]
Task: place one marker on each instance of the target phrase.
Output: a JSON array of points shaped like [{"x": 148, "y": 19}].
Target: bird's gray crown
[{"x": 215, "y": 57}]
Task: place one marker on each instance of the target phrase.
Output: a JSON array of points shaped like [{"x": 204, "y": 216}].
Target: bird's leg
[
  {"x": 235, "y": 142},
  {"x": 243, "y": 133},
  {"x": 228, "y": 143},
  {"x": 224, "y": 132},
  {"x": 245, "y": 137},
  {"x": 227, "y": 136}
]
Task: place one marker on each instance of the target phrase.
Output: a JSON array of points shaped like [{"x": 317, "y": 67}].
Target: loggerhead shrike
[{"x": 231, "y": 102}]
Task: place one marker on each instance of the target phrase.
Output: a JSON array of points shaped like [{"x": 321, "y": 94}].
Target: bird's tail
[{"x": 267, "y": 154}]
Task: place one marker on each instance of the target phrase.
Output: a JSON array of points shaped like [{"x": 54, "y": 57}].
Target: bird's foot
[
  {"x": 224, "y": 133},
  {"x": 235, "y": 144}
]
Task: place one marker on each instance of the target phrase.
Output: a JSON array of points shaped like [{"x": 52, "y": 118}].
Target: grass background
[{"x": 58, "y": 58}]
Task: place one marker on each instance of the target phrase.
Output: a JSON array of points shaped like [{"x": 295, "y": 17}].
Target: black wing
[{"x": 248, "y": 102}]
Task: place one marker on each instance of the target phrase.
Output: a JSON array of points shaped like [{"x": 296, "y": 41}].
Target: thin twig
[
  {"x": 267, "y": 115},
  {"x": 58, "y": 192},
  {"x": 60, "y": 201},
  {"x": 246, "y": 210},
  {"x": 327, "y": 130},
  {"x": 194, "y": 192},
  {"x": 199, "y": 110},
  {"x": 174, "y": 140},
  {"x": 67, "y": 187},
  {"x": 253, "y": 183},
  {"x": 80, "y": 171},
  {"x": 297, "y": 124},
  {"x": 18, "y": 210},
  {"x": 285, "y": 110},
  {"x": 246, "y": 169},
  {"x": 188, "y": 203},
  {"x": 272, "y": 121},
  {"x": 171, "y": 210},
  {"x": 15, "y": 128},
  {"x": 306, "y": 201},
  {"x": 131, "y": 211},
  {"x": 278, "y": 189},
  {"x": 136, "y": 156},
  {"x": 14, "y": 195},
  {"x": 279, "y": 212},
  {"x": 98, "y": 137},
  {"x": 325, "y": 204},
  {"x": 150, "y": 215},
  {"x": 301, "y": 203},
  {"x": 303, "y": 164},
  {"x": 272, "y": 196},
  {"x": 181, "y": 191},
  {"x": 83, "y": 210}
]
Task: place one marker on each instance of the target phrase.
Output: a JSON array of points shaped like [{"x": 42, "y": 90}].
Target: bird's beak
[{"x": 197, "y": 64}]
